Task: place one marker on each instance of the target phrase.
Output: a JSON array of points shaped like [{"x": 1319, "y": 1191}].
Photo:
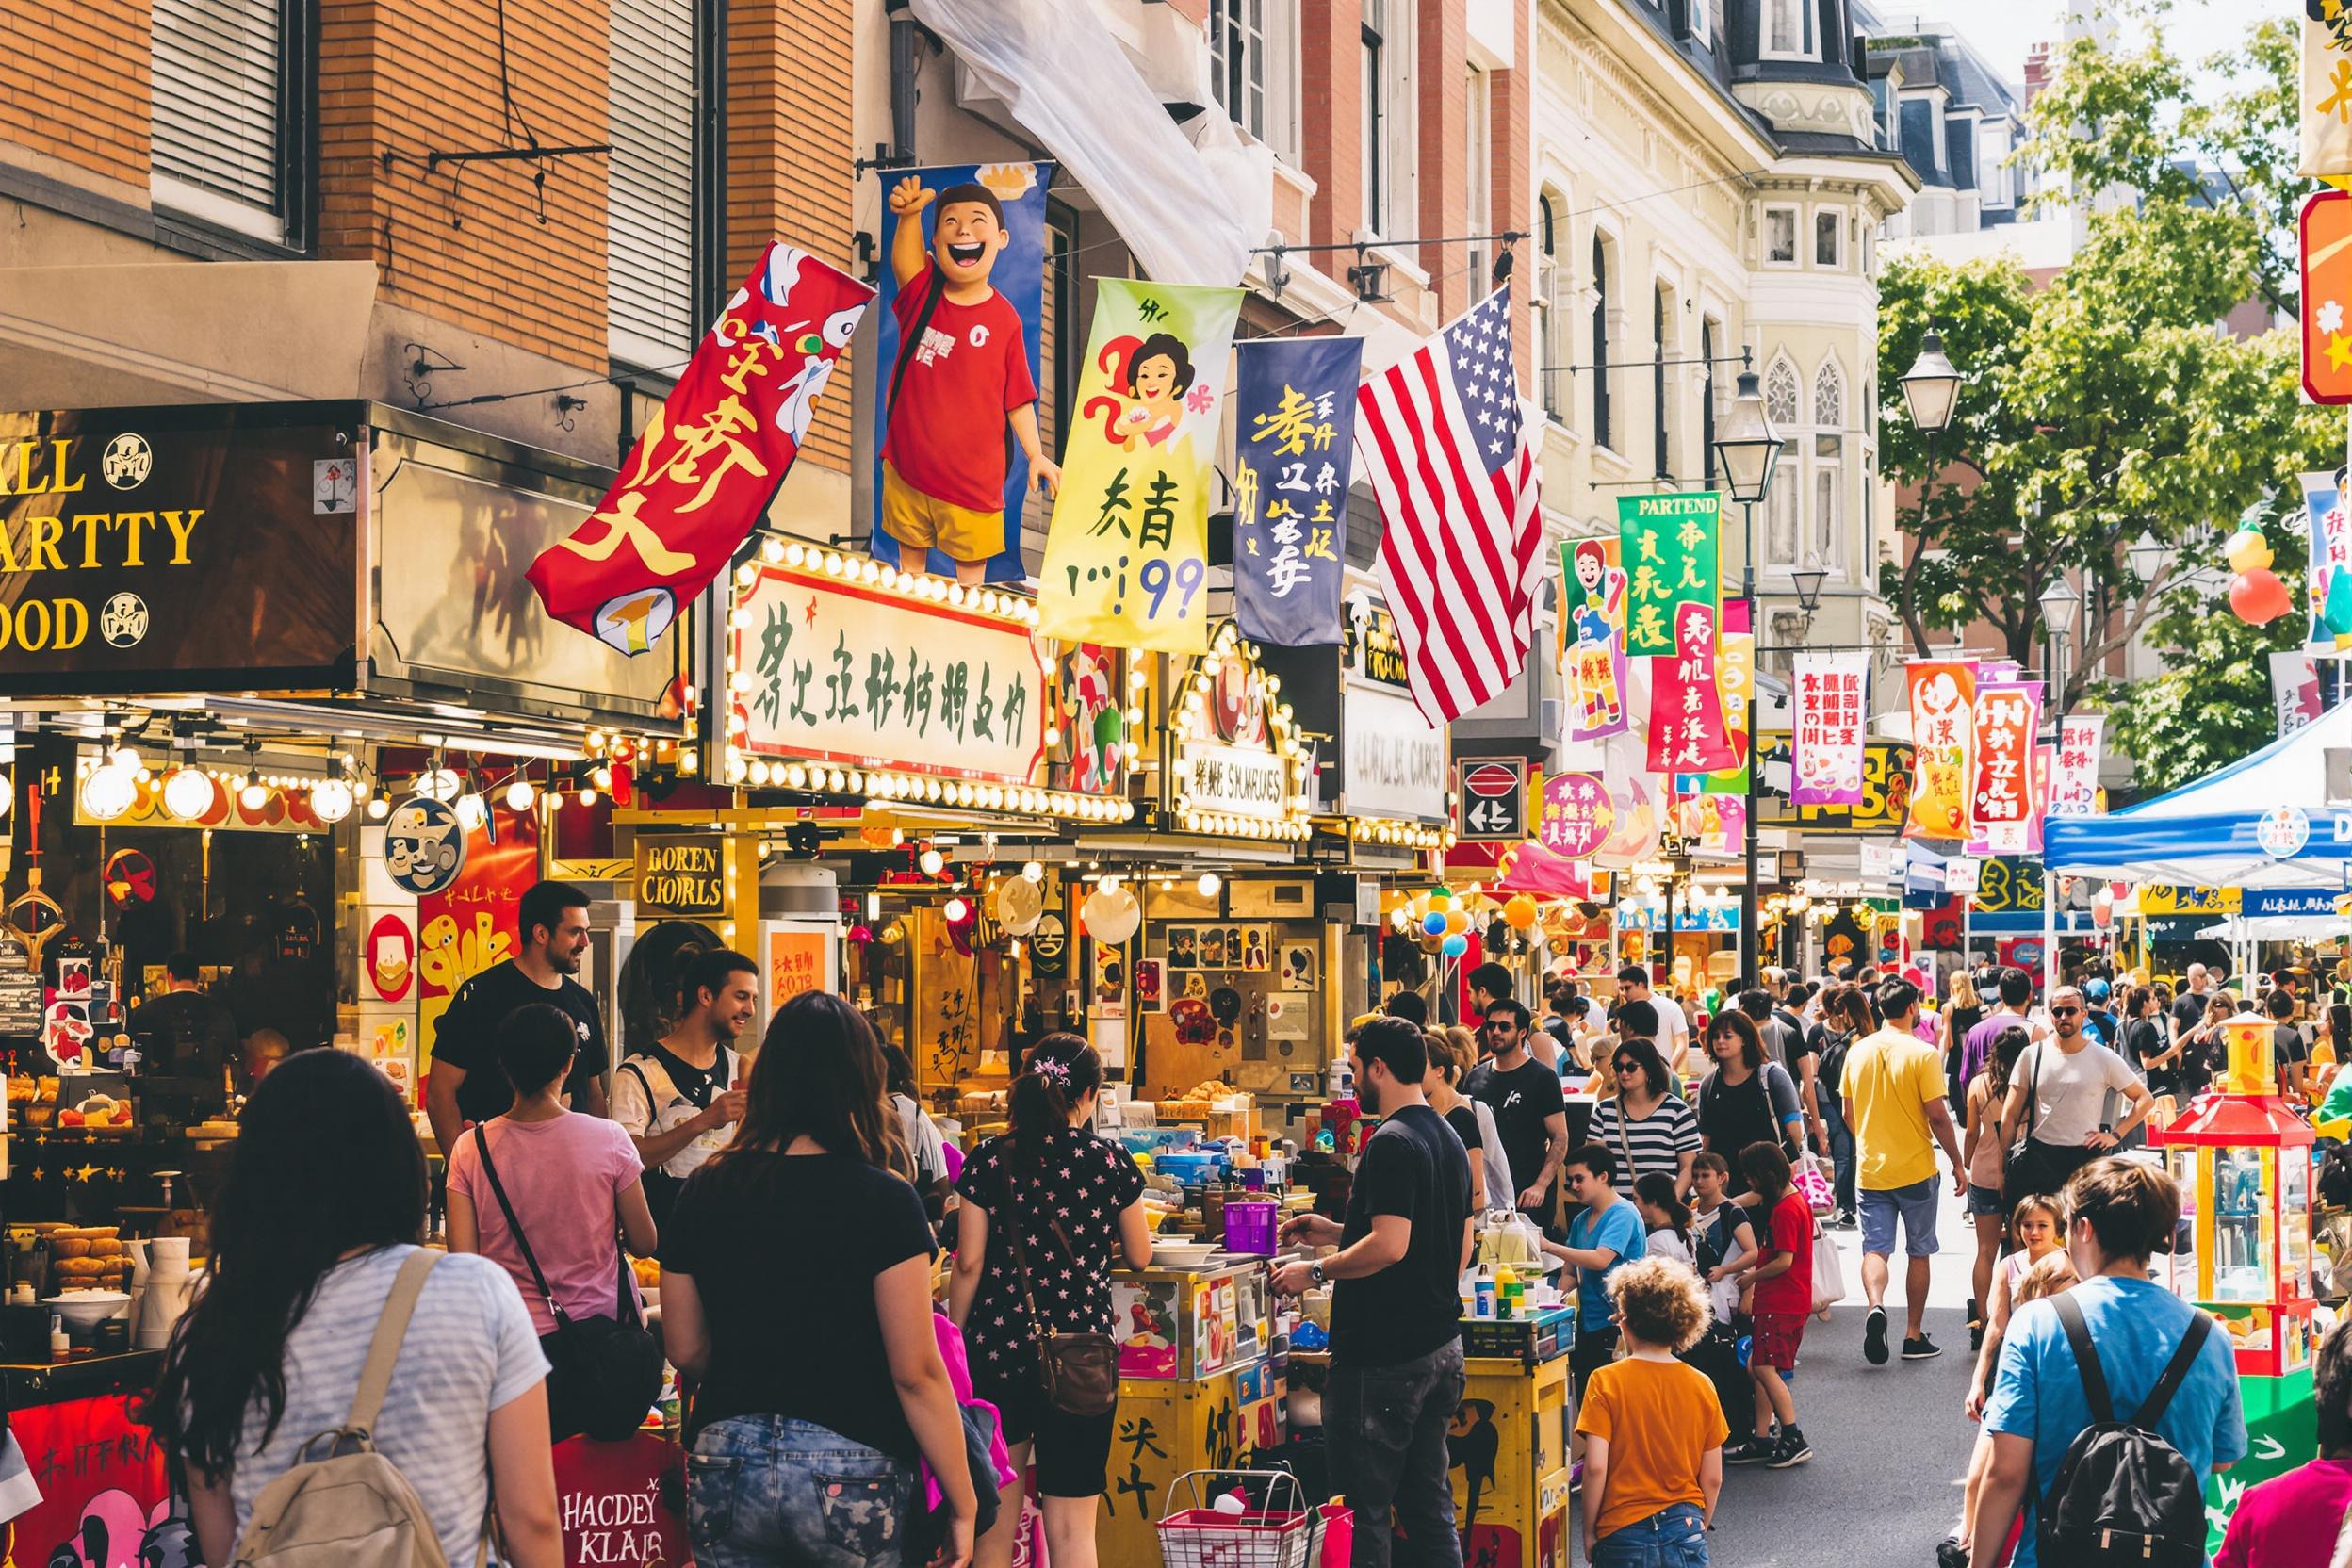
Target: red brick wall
[
  {"x": 1332, "y": 115},
  {"x": 1442, "y": 131},
  {"x": 80, "y": 84}
]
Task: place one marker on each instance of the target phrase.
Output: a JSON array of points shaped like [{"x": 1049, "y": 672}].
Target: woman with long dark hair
[
  {"x": 321, "y": 1214},
  {"x": 1846, "y": 1017},
  {"x": 796, "y": 1285},
  {"x": 1049, "y": 1198},
  {"x": 1981, "y": 1153},
  {"x": 1647, "y": 1125},
  {"x": 1748, "y": 1098}
]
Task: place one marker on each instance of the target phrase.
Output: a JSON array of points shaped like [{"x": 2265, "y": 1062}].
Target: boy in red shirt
[
  {"x": 1782, "y": 1300},
  {"x": 960, "y": 381},
  {"x": 2290, "y": 1521}
]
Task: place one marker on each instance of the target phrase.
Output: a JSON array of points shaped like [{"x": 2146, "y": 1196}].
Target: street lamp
[
  {"x": 2058, "y": 603},
  {"x": 1808, "y": 588},
  {"x": 2145, "y": 556},
  {"x": 1749, "y": 452},
  {"x": 1931, "y": 387}
]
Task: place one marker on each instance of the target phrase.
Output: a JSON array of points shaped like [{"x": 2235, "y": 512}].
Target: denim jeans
[
  {"x": 1842, "y": 1153},
  {"x": 1671, "y": 1538},
  {"x": 1386, "y": 1431},
  {"x": 762, "y": 1490}
]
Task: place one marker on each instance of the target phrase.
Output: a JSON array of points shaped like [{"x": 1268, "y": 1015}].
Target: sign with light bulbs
[{"x": 111, "y": 793}]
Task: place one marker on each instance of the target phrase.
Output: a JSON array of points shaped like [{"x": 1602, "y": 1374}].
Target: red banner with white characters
[
  {"x": 2001, "y": 793},
  {"x": 1942, "y": 692},
  {"x": 104, "y": 1498},
  {"x": 701, "y": 476},
  {"x": 1687, "y": 729}
]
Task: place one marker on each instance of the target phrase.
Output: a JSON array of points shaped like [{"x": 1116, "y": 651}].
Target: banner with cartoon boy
[
  {"x": 956, "y": 424},
  {"x": 1294, "y": 443},
  {"x": 1126, "y": 555},
  {"x": 1592, "y": 638}
]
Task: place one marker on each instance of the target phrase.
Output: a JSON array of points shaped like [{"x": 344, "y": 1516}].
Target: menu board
[{"x": 19, "y": 989}]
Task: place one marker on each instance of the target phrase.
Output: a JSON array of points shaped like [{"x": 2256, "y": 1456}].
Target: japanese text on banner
[
  {"x": 2000, "y": 796},
  {"x": 1592, "y": 638},
  {"x": 1687, "y": 730},
  {"x": 1942, "y": 692},
  {"x": 2331, "y": 570},
  {"x": 1127, "y": 552},
  {"x": 1577, "y": 816},
  {"x": 1669, "y": 544},
  {"x": 1734, "y": 680},
  {"x": 1832, "y": 725},
  {"x": 1294, "y": 440},
  {"x": 2074, "y": 784}
]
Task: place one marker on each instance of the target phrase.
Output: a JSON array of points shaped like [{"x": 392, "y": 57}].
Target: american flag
[{"x": 1456, "y": 476}]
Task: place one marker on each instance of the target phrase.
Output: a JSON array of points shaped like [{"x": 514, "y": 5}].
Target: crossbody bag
[{"x": 1080, "y": 1371}]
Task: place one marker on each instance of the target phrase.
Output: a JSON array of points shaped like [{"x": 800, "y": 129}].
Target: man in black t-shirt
[
  {"x": 468, "y": 1084},
  {"x": 1395, "y": 1308},
  {"x": 1530, "y": 1113},
  {"x": 2188, "y": 1008},
  {"x": 2286, "y": 1042}
]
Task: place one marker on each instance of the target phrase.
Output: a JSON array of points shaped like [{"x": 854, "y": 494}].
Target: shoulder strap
[
  {"x": 514, "y": 1226},
  {"x": 1020, "y": 1257},
  {"x": 2160, "y": 1397},
  {"x": 2086, "y": 1358},
  {"x": 912, "y": 339},
  {"x": 375, "y": 1374},
  {"x": 2034, "y": 1090}
]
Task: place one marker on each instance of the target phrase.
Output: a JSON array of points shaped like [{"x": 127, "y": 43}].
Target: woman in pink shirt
[
  {"x": 574, "y": 1183},
  {"x": 2290, "y": 1521}
]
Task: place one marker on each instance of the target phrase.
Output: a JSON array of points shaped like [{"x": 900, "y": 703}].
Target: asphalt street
[{"x": 1889, "y": 1444}]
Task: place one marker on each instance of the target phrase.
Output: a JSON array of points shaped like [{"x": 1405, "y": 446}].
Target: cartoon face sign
[
  {"x": 424, "y": 845},
  {"x": 1589, "y": 568}
]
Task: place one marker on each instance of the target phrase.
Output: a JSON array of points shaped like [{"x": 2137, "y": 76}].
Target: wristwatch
[{"x": 1316, "y": 1275}]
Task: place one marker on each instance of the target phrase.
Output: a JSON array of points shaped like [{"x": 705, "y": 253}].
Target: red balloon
[{"x": 2258, "y": 597}]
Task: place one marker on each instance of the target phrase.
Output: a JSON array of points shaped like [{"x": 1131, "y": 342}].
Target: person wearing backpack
[
  {"x": 2097, "y": 1493},
  {"x": 680, "y": 1098},
  {"x": 314, "y": 1244}
]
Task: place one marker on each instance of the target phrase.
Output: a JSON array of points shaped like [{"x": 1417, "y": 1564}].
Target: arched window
[
  {"x": 1829, "y": 396},
  {"x": 1602, "y": 372},
  {"x": 1825, "y": 534},
  {"x": 1780, "y": 394},
  {"x": 1782, "y": 503},
  {"x": 1661, "y": 399},
  {"x": 1551, "y": 320}
]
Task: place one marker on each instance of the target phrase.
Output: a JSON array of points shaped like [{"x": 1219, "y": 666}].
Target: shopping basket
[{"x": 1272, "y": 1536}]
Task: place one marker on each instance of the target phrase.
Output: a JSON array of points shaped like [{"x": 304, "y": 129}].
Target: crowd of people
[{"x": 1689, "y": 1224}]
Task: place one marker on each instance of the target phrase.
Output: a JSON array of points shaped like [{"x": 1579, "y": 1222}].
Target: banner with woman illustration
[
  {"x": 1127, "y": 553},
  {"x": 1943, "y": 727}
]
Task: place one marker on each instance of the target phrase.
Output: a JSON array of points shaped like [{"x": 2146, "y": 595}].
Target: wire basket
[{"x": 1273, "y": 1537}]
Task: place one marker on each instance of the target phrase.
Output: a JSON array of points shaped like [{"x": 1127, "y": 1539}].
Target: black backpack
[{"x": 2123, "y": 1494}]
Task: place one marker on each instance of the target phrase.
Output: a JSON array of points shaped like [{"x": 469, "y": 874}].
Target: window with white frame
[
  {"x": 1782, "y": 503},
  {"x": 1253, "y": 68},
  {"x": 1992, "y": 165},
  {"x": 1780, "y": 237},
  {"x": 1785, "y": 29},
  {"x": 1701, "y": 18},
  {"x": 1478, "y": 178},
  {"x": 223, "y": 126},
  {"x": 1829, "y": 234},
  {"x": 1386, "y": 32},
  {"x": 1825, "y": 474},
  {"x": 1551, "y": 308}
]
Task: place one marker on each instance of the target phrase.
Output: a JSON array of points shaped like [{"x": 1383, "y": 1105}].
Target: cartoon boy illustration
[
  {"x": 1597, "y": 606},
  {"x": 962, "y": 378}
]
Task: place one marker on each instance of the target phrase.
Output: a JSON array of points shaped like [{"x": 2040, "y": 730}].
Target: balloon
[
  {"x": 1520, "y": 911},
  {"x": 1440, "y": 897},
  {"x": 2258, "y": 597},
  {"x": 1435, "y": 924},
  {"x": 1455, "y": 946},
  {"x": 2246, "y": 550},
  {"x": 1457, "y": 922}
]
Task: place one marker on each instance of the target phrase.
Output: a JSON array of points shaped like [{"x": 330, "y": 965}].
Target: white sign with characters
[{"x": 1233, "y": 779}]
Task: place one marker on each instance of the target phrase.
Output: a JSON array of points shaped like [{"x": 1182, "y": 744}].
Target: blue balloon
[
  {"x": 1455, "y": 946},
  {"x": 1435, "y": 924}
]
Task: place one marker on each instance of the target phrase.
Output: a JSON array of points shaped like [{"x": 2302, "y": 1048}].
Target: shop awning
[{"x": 2262, "y": 822}]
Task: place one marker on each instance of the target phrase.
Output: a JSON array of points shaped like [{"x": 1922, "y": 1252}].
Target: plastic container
[
  {"x": 1250, "y": 1226},
  {"x": 1482, "y": 1297}
]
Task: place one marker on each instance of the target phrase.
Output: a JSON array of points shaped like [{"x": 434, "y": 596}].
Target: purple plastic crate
[{"x": 1251, "y": 1227}]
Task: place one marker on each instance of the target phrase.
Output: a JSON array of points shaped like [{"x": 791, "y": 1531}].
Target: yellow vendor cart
[{"x": 1509, "y": 1443}]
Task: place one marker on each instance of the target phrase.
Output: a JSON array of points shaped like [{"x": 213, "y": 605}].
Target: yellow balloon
[
  {"x": 1520, "y": 911},
  {"x": 2247, "y": 551}
]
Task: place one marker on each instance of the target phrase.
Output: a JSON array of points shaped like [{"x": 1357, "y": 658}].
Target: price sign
[{"x": 1493, "y": 799}]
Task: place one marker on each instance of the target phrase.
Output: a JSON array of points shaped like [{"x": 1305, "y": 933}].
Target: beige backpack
[{"x": 352, "y": 1508}]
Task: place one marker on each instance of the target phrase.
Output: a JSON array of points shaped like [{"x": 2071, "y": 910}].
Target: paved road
[{"x": 1889, "y": 1442}]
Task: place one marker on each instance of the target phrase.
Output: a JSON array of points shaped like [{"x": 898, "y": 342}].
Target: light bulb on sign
[
  {"x": 931, "y": 860},
  {"x": 254, "y": 794},
  {"x": 377, "y": 808},
  {"x": 1033, "y": 872},
  {"x": 330, "y": 800},
  {"x": 108, "y": 791},
  {"x": 1209, "y": 883},
  {"x": 471, "y": 809},
  {"x": 187, "y": 793}
]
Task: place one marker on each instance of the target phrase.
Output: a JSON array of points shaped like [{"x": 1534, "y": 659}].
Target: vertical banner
[
  {"x": 1127, "y": 553},
  {"x": 2326, "y": 102},
  {"x": 2074, "y": 780},
  {"x": 1942, "y": 692},
  {"x": 476, "y": 920},
  {"x": 2044, "y": 769},
  {"x": 1669, "y": 552},
  {"x": 1712, "y": 823},
  {"x": 2331, "y": 570},
  {"x": 2324, "y": 259},
  {"x": 1293, "y": 439},
  {"x": 2294, "y": 689},
  {"x": 951, "y": 476},
  {"x": 1735, "y": 679},
  {"x": 1592, "y": 638},
  {"x": 1830, "y": 729},
  {"x": 2001, "y": 793},
  {"x": 700, "y": 478},
  {"x": 1687, "y": 731}
]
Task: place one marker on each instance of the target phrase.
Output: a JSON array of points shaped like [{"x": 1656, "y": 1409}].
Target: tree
[{"x": 2106, "y": 406}]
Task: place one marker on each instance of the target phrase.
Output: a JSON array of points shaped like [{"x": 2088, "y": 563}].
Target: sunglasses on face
[
  {"x": 1627, "y": 1064},
  {"x": 2064, "y": 1012}
]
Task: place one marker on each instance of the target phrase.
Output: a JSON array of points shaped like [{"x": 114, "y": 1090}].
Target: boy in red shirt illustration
[{"x": 962, "y": 377}]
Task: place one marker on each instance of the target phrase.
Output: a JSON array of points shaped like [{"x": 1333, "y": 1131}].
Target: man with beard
[
  {"x": 1396, "y": 1370},
  {"x": 466, "y": 1086},
  {"x": 680, "y": 1097}
]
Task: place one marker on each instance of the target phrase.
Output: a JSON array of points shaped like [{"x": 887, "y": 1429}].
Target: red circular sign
[
  {"x": 391, "y": 958},
  {"x": 1577, "y": 814}
]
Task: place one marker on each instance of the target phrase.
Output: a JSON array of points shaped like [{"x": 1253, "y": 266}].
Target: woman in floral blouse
[{"x": 1074, "y": 1197}]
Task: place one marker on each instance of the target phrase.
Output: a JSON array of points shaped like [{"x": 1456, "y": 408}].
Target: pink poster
[
  {"x": 1830, "y": 723},
  {"x": 1687, "y": 729}
]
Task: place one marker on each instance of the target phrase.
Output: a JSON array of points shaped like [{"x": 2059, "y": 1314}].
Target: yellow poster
[{"x": 1127, "y": 552}]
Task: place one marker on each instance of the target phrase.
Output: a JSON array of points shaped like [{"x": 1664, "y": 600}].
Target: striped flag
[{"x": 1442, "y": 440}]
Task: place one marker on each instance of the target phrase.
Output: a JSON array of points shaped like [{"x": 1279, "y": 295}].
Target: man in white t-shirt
[
  {"x": 679, "y": 1099},
  {"x": 2058, "y": 1091},
  {"x": 1673, "y": 1028}
]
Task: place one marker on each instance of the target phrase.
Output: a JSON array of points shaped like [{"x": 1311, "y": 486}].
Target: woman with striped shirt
[{"x": 1647, "y": 1125}]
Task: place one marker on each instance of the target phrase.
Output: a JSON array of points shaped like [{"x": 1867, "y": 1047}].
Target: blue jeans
[
  {"x": 1841, "y": 1152},
  {"x": 763, "y": 1490},
  {"x": 1671, "y": 1538}
]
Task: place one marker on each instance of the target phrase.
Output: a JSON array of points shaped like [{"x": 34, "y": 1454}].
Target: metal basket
[{"x": 1203, "y": 1537}]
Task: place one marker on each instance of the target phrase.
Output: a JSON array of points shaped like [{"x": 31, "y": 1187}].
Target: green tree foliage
[{"x": 2105, "y": 406}]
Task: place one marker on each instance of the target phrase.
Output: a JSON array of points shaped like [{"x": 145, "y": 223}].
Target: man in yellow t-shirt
[{"x": 1894, "y": 1091}]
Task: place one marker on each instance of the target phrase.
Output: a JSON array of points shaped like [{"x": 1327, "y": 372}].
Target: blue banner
[
  {"x": 1294, "y": 440},
  {"x": 959, "y": 431},
  {"x": 2291, "y": 901}
]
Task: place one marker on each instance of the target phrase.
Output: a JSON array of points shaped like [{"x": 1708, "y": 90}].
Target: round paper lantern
[
  {"x": 1455, "y": 946},
  {"x": 2258, "y": 597},
  {"x": 1520, "y": 911},
  {"x": 1435, "y": 924},
  {"x": 1110, "y": 917},
  {"x": 1020, "y": 906}
]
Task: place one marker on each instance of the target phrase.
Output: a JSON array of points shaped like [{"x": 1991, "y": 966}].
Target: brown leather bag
[{"x": 1080, "y": 1371}]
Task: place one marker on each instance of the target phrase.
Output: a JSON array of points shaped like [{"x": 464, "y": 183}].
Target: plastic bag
[
  {"x": 1812, "y": 1184},
  {"x": 1829, "y": 1274}
]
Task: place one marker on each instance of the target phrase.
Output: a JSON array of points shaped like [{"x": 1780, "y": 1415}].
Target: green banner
[{"x": 1669, "y": 549}]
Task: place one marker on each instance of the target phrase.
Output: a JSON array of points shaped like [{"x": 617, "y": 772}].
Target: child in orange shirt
[{"x": 1653, "y": 1430}]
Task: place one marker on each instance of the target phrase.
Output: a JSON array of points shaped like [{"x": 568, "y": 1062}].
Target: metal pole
[
  {"x": 1748, "y": 933},
  {"x": 2050, "y": 883}
]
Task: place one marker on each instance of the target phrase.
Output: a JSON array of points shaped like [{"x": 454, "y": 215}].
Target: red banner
[
  {"x": 2000, "y": 798},
  {"x": 1942, "y": 692},
  {"x": 102, "y": 1484},
  {"x": 1687, "y": 729},
  {"x": 701, "y": 476}
]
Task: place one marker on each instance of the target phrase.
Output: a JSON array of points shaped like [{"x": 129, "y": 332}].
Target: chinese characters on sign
[
  {"x": 1293, "y": 439},
  {"x": 2326, "y": 96},
  {"x": 1231, "y": 779},
  {"x": 1592, "y": 638},
  {"x": 1942, "y": 692},
  {"x": 700, "y": 478},
  {"x": 1832, "y": 716},
  {"x": 1668, "y": 544},
  {"x": 2074, "y": 784},
  {"x": 1577, "y": 814},
  {"x": 796, "y": 963},
  {"x": 1126, "y": 555},
  {"x": 2330, "y": 569},
  {"x": 1687, "y": 730},
  {"x": 853, "y": 675},
  {"x": 2000, "y": 796}
]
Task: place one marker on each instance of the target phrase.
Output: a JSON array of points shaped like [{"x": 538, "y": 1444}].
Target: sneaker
[
  {"x": 1874, "y": 1337},
  {"x": 1844, "y": 1219},
  {"x": 1919, "y": 1347},
  {"x": 1755, "y": 1450},
  {"x": 1951, "y": 1554},
  {"x": 1791, "y": 1449}
]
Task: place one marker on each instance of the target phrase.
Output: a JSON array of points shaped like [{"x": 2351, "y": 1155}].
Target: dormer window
[{"x": 1786, "y": 30}]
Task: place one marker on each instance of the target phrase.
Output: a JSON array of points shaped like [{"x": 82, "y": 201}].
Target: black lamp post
[{"x": 1749, "y": 452}]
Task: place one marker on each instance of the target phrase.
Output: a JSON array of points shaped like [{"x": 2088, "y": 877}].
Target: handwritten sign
[
  {"x": 1293, "y": 436},
  {"x": 1943, "y": 693},
  {"x": 1831, "y": 723},
  {"x": 1669, "y": 552}
]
